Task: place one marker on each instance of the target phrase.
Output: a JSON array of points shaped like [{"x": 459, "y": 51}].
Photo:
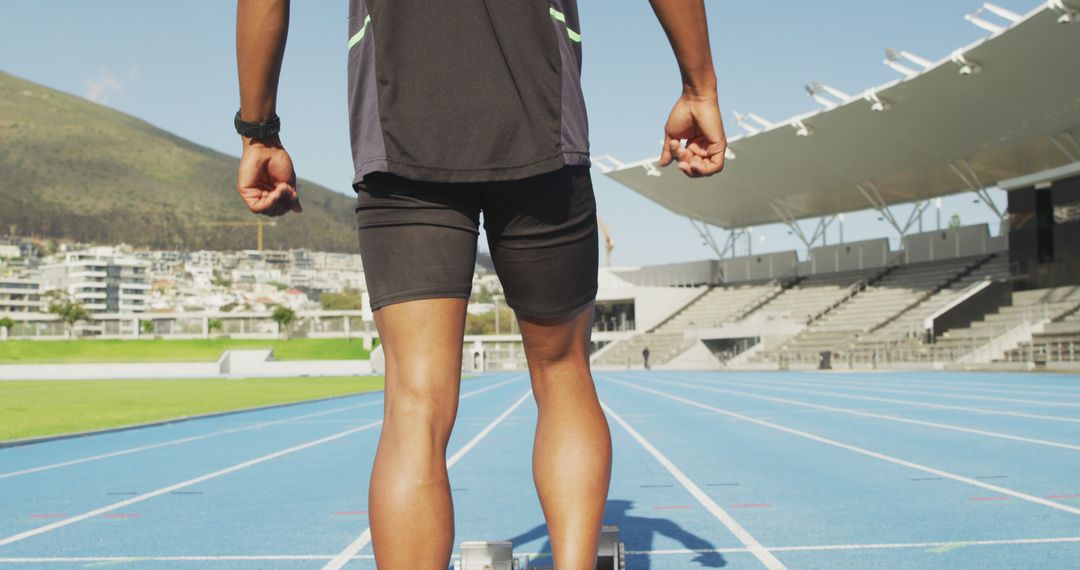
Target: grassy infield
[
  {"x": 199, "y": 350},
  {"x": 32, "y": 409}
]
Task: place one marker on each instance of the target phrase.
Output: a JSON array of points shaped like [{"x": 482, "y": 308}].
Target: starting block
[
  {"x": 611, "y": 552},
  {"x": 499, "y": 555},
  {"x": 488, "y": 555}
]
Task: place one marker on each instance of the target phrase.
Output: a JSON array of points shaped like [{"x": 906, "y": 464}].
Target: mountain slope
[{"x": 73, "y": 169}]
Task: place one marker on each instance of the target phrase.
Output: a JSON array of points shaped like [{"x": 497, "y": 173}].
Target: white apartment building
[
  {"x": 206, "y": 257},
  {"x": 202, "y": 276},
  {"x": 21, "y": 295},
  {"x": 103, "y": 279}
]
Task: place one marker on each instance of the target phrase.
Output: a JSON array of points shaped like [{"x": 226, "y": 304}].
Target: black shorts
[{"x": 418, "y": 239}]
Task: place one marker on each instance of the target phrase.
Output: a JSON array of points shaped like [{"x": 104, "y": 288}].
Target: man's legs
[
  {"x": 572, "y": 450},
  {"x": 409, "y": 503}
]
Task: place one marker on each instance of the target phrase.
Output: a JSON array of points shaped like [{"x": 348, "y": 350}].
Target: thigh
[
  {"x": 417, "y": 240},
  {"x": 422, "y": 342},
  {"x": 543, "y": 240}
]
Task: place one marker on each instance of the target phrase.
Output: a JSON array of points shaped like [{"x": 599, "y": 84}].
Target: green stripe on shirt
[
  {"x": 562, "y": 18},
  {"x": 355, "y": 39}
]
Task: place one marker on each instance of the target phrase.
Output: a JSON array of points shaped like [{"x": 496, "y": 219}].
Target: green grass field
[
  {"x": 34, "y": 409},
  {"x": 157, "y": 350}
]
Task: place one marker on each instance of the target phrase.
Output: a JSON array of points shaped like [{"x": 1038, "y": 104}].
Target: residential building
[
  {"x": 21, "y": 294},
  {"x": 103, "y": 279}
]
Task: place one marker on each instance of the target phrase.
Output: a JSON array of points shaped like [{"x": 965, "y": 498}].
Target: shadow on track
[{"x": 637, "y": 533}]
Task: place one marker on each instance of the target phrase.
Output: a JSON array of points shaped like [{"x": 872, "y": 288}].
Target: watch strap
[{"x": 261, "y": 130}]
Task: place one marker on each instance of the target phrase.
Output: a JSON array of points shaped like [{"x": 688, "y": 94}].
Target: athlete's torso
[{"x": 465, "y": 90}]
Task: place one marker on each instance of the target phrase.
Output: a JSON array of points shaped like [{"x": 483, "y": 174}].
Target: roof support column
[
  {"x": 731, "y": 242},
  {"x": 706, "y": 237},
  {"x": 966, "y": 173},
  {"x": 873, "y": 195},
  {"x": 822, "y": 229},
  {"x": 1071, "y": 152},
  {"x": 784, "y": 211}
]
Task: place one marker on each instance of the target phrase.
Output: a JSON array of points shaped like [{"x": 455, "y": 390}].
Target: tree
[
  {"x": 146, "y": 327},
  {"x": 69, "y": 311},
  {"x": 348, "y": 300},
  {"x": 7, "y": 324},
  {"x": 284, "y": 317},
  {"x": 215, "y": 325},
  {"x": 484, "y": 323},
  {"x": 954, "y": 221},
  {"x": 483, "y": 295},
  {"x": 219, "y": 280}
]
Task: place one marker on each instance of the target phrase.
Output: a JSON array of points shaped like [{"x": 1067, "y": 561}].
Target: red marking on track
[
  {"x": 1063, "y": 496},
  {"x": 989, "y": 498},
  {"x": 47, "y": 515},
  {"x": 750, "y": 506},
  {"x": 671, "y": 507},
  {"x": 350, "y": 513},
  {"x": 121, "y": 515}
]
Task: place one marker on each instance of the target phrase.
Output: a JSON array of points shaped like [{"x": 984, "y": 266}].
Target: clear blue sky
[{"x": 173, "y": 64}]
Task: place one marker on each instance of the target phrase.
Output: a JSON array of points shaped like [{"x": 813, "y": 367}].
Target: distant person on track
[
  {"x": 458, "y": 108},
  {"x": 645, "y": 357}
]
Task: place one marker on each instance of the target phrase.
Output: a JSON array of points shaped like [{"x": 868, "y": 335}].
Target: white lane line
[
  {"x": 119, "y": 559},
  {"x": 936, "y": 388},
  {"x": 203, "y": 478},
  {"x": 180, "y": 441},
  {"x": 170, "y": 443},
  {"x": 364, "y": 539},
  {"x": 978, "y": 411},
  {"x": 659, "y": 552},
  {"x": 181, "y": 485},
  {"x": 484, "y": 432},
  {"x": 744, "y": 536},
  {"x": 872, "y": 546},
  {"x": 957, "y": 390},
  {"x": 860, "y": 450},
  {"x": 963, "y": 397},
  {"x": 468, "y": 395},
  {"x": 865, "y": 414},
  {"x": 1026, "y": 389}
]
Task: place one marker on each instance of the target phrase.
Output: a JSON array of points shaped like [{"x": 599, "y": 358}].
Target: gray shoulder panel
[{"x": 368, "y": 147}]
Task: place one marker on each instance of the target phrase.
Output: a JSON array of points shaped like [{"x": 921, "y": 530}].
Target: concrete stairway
[
  {"x": 1037, "y": 306},
  {"x": 908, "y": 327},
  {"x": 891, "y": 293},
  {"x": 662, "y": 348}
]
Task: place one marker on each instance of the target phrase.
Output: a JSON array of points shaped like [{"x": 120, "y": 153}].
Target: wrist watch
[{"x": 261, "y": 130}]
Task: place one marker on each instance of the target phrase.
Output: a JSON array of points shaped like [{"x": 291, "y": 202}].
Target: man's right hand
[
  {"x": 697, "y": 120},
  {"x": 266, "y": 180}
]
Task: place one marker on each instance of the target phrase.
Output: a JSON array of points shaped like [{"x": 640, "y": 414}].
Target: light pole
[{"x": 496, "y": 298}]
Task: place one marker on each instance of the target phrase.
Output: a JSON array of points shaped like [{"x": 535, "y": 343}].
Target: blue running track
[{"x": 711, "y": 470}]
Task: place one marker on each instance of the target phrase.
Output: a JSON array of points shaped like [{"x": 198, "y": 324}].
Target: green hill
[{"x": 73, "y": 169}]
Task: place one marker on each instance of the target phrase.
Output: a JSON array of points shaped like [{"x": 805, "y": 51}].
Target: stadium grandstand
[{"x": 1003, "y": 113}]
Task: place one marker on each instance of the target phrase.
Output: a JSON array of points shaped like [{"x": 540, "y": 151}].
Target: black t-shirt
[{"x": 465, "y": 90}]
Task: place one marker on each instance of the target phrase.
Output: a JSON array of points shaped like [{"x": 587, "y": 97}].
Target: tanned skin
[
  {"x": 409, "y": 501},
  {"x": 696, "y": 116},
  {"x": 266, "y": 180}
]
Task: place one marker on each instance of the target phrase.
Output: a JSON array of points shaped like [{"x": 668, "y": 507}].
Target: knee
[
  {"x": 558, "y": 383},
  {"x": 421, "y": 412},
  {"x": 557, "y": 353}
]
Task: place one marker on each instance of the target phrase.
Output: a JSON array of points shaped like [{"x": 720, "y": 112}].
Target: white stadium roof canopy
[{"x": 1004, "y": 107}]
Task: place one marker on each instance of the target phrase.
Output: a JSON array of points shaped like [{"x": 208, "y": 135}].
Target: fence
[{"x": 308, "y": 324}]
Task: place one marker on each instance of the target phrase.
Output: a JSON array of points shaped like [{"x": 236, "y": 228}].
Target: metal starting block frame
[
  {"x": 499, "y": 555},
  {"x": 611, "y": 552},
  {"x": 488, "y": 555}
]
